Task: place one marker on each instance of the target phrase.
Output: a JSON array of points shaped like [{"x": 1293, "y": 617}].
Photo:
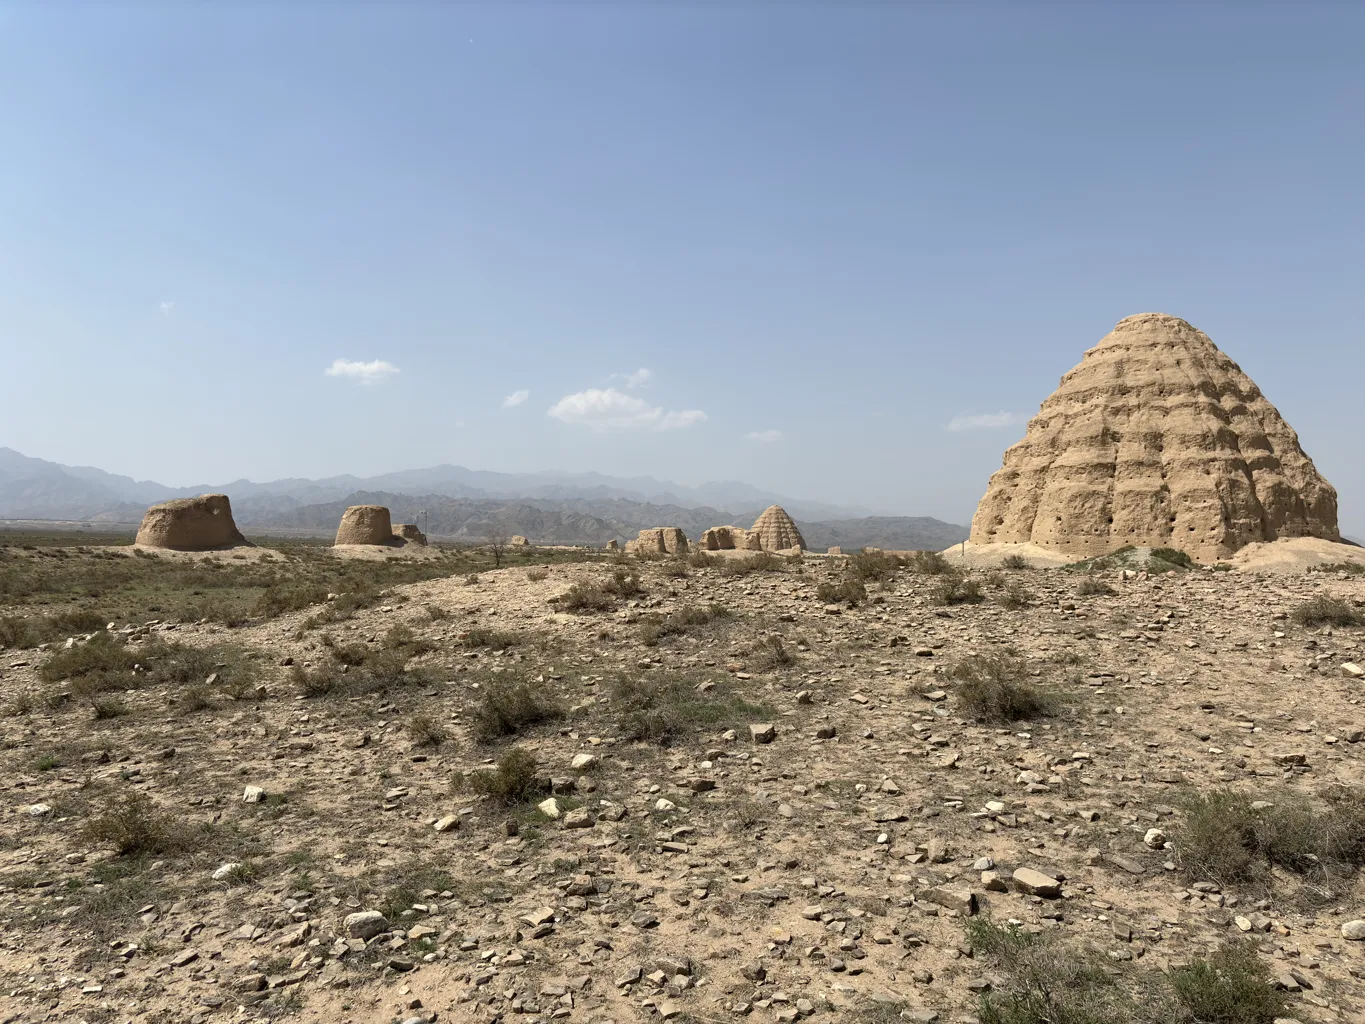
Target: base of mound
[
  {"x": 989, "y": 556},
  {"x": 234, "y": 552},
  {"x": 378, "y": 552},
  {"x": 1298, "y": 554}
]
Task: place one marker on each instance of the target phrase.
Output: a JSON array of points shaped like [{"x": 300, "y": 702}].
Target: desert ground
[{"x": 590, "y": 788}]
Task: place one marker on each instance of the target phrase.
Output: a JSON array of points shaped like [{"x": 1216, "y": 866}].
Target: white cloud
[
  {"x": 609, "y": 409},
  {"x": 987, "y": 421},
  {"x": 515, "y": 399},
  {"x": 765, "y": 436},
  {"x": 362, "y": 373},
  {"x": 682, "y": 420},
  {"x": 167, "y": 308},
  {"x": 638, "y": 379}
]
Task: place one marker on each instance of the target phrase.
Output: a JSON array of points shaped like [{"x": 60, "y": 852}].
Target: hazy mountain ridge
[
  {"x": 462, "y": 504},
  {"x": 37, "y": 488}
]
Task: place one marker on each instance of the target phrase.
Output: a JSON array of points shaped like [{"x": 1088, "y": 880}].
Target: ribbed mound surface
[
  {"x": 777, "y": 531},
  {"x": 1156, "y": 438}
]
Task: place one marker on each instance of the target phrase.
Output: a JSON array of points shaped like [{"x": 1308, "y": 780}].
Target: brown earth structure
[
  {"x": 660, "y": 540},
  {"x": 409, "y": 533},
  {"x": 729, "y": 538},
  {"x": 1156, "y": 438},
  {"x": 777, "y": 531},
  {"x": 190, "y": 524},
  {"x": 365, "y": 524}
]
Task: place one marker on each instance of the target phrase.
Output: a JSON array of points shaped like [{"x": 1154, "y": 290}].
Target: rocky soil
[{"x": 811, "y": 849}]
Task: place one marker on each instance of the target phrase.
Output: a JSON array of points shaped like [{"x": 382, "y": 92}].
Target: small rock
[
  {"x": 253, "y": 795},
  {"x": 1353, "y": 930},
  {"x": 764, "y": 733},
  {"x": 222, "y": 872},
  {"x": 1035, "y": 883},
  {"x": 549, "y": 807},
  {"x": 1155, "y": 838},
  {"x": 447, "y": 824},
  {"x": 365, "y": 924}
]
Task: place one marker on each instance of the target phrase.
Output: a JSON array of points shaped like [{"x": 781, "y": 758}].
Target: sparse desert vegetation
[{"x": 632, "y": 765}]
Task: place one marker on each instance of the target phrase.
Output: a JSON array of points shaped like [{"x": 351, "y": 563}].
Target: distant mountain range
[{"x": 461, "y": 504}]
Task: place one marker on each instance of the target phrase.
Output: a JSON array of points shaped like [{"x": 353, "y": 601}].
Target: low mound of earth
[
  {"x": 756, "y": 801},
  {"x": 969, "y": 554},
  {"x": 399, "y": 548},
  {"x": 1297, "y": 555}
]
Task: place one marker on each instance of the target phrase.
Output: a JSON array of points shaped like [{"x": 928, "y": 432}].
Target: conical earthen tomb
[
  {"x": 777, "y": 531},
  {"x": 1156, "y": 439}
]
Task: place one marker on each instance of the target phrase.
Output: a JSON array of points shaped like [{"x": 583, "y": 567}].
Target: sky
[{"x": 838, "y": 251}]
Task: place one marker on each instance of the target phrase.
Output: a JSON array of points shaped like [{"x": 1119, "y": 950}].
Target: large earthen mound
[
  {"x": 660, "y": 540},
  {"x": 777, "y": 531},
  {"x": 365, "y": 524},
  {"x": 190, "y": 524},
  {"x": 730, "y": 538},
  {"x": 1156, "y": 439}
]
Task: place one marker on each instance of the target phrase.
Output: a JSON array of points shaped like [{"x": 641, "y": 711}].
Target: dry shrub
[
  {"x": 1092, "y": 586},
  {"x": 516, "y": 779},
  {"x": 505, "y": 708},
  {"x": 1326, "y": 610},
  {"x": 927, "y": 563},
  {"x": 953, "y": 589},
  {"x": 851, "y": 591},
  {"x": 873, "y": 566},
  {"x": 991, "y": 688},
  {"x": 425, "y": 731},
  {"x": 662, "y": 708},
  {"x": 1227, "y": 837},
  {"x": 133, "y": 825},
  {"x": 587, "y": 597}
]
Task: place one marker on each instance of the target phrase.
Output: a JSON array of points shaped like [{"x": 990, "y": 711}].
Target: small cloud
[
  {"x": 167, "y": 308},
  {"x": 609, "y": 409},
  {"x": 515, "y": 399},
  {"x": 682, "y": 420},
  {"x": 986, "y": 421},
  {"x": 362, "y": 373},
  {"x": 635, "y": 380},
  {"x": 765, "y": 436}
]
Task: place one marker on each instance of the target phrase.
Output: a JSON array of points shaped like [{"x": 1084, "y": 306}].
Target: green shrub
[
  {"x": 1014, "y": 562},
  {"x": 1232, "y": 986},
  {"x": 277, "y": 600},
  {"x": 1172, "y": 557},
  {"x": 133, "y": 825},
  {"x": 537, "y": 575},
  {"x": 1223, "y": 838},
  {"x": 505, "y": 708},
  {"x": 661, "y": 708},
  {"x": 699, "y": 559},
  {"x": 516, "y": 779},
  {"x": 1045, "y": 980},
  {"x": 1326, "y": 610},
  {"x": 991, "y": 688},
  {"x": 655, "y": 628}
]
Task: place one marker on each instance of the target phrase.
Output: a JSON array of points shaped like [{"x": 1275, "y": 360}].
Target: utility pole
[{"x": 423, "y": 513}]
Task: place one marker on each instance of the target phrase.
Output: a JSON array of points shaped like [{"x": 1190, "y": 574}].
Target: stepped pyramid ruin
[
  {"x": 1157, "y": 439},
  {"x": 777, "y": 531}
]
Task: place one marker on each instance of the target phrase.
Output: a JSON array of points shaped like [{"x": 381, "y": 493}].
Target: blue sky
[{"x": 826, "y": 231}]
